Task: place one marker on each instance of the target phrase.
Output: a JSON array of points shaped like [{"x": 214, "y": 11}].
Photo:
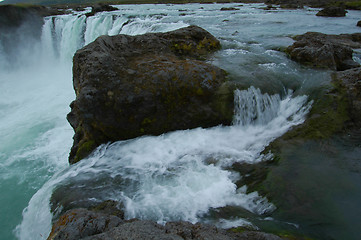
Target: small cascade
[
  {"x": 179, "y": 175},
  {"x": 251, "y": 107}
]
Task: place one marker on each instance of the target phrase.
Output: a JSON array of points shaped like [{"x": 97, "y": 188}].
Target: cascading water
[
  {"x": 180, "y": 175},
  {"x": 175, "y": 176}
]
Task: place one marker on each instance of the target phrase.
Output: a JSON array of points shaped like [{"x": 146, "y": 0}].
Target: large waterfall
[{"x": 180, "y": 175}]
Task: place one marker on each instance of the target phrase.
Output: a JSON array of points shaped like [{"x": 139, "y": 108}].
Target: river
[{"x": 182, "y": 175}]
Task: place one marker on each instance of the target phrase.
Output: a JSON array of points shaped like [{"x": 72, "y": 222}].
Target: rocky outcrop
[
  {"x": 350, "y": 82},
  {"x": 325, "y": 51},
  {"x": 229, "y": 9},
  {"x": 100, "y": 7},
  {"x": 332, "y": 11},
  {"x": 20, "y": 27},
  {"x": 12, "y": 16},
  {"x": 128, "y": 86},
  {"x": 86, "y": 225}
]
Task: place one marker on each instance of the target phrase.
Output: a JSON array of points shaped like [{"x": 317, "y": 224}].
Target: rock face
[
  {"x": 86, "y": 225},
  {"x": 20, "y": 26},
  {"x": 128, "y": 86},
  {"x": 332, "y": 11},
  {"x": 325, "y": 51},
  {"x": 80, "y": 223},
  {"x": 350, "y": 80}
]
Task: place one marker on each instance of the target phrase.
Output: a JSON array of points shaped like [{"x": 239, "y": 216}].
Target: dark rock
[
  {"x": 110, "y": 207},
  {"x": 128, "y": 86},
  {"x": 229, "y": 9},
  {"x": 269, "y": 7},
  {"x": 14, "y": 16},
  {"x": 20, "y": 27},
  {"x": 332, "y": 11},
  {"x": 358, "y": 24},
  {"x": 100, "y": 7},
  {"x": 350, "y": 80},
  {"x": 291, "y": 6},
  {"x": 325, "y": 51},
  {"x": 86, "y": 225},
  {"x": 80, "y": 223}
]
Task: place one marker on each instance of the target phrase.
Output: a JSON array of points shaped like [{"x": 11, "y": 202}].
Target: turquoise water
[{"x": 36, "y": 138}]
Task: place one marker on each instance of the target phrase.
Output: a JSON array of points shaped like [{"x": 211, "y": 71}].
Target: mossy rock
[{"x": 129, "y": 86}]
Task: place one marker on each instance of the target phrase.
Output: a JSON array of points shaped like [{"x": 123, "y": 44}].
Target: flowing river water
[{"x": 182, "y": 175}]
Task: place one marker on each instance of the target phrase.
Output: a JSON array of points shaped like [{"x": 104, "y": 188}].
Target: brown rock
[
  {"x": 325, "y": 51},
  {"x": 128, "y": 86},
  {"x": 332, "y": 11}
]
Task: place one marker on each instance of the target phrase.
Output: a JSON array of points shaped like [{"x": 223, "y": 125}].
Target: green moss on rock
[{"x": 85, "y": 148}]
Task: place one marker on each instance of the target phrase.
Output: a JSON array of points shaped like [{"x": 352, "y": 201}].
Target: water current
[{"x": 182, "y": 175}]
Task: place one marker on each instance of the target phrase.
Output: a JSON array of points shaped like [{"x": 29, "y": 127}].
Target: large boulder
[
  {"x": 80, "y": 223},
  {"x": 128, "y": 86},
  {"x": 332, "y": 11},
  {"x": 86, "y": 225},
  {"x": 325, "y": 51}
]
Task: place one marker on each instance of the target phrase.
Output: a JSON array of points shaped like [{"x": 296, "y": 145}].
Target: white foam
[{"x": 181, "y": 175}]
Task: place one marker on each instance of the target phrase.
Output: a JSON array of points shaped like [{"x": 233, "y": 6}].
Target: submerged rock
[
  {"x": 332, "y": 11},
  {"x": 128, "y": 86},
  {"x": 358, "y": 24},
  {"x": 229, "y": 9},
  {"x": 85, "y": 224},
  {"x": 325, "y": 51}
]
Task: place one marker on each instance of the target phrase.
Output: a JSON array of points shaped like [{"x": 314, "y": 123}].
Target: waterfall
[
  {"x": 179, "y": 175},
  {"x": 253, "y": 107},
  {"x": 64, "y": 34}
]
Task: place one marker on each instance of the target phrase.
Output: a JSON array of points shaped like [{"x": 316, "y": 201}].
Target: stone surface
[
  {"x": 128, "y": 86},
  {"x": 87, "y": 225},
  {"x": 325, "y": 51},
  {"x": 332, "y": 11},
  {"x": 351, "y": 81},
  {"x": 80, "y": 223}
]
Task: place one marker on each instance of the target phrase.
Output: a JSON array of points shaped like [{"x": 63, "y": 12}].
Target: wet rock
[
  {"x": 86, "y": 225},
  {"x": 269, "y": 7},
  {"x": 229, "y": 9},
  {"x": 325, "y": 51},
  {"x": 14, "y": 16},
  {"x": 80, "y": 223},
  {"x": 358, "y": 24},
  {"x": 128, "y": 86},
  {"x": 100, "y": 7},
  {"x": 332, "y": 11},
  {"x": 351, "y": 82},
  {"x": 20, "y": 26}
]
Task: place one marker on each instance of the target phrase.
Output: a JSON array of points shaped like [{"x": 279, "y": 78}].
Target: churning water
[{"x": 180, "y": 175}]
